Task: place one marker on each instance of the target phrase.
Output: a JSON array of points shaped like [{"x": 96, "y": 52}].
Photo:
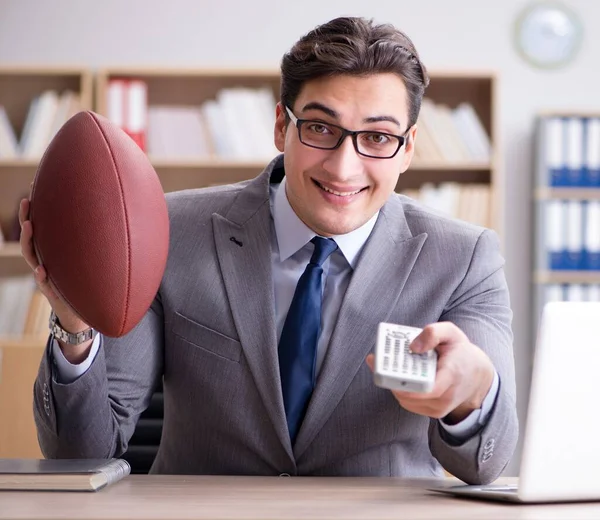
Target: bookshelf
[
  {"x": 20, "y": 355},
  {"x": 566, "y": 198},
  {"x": 191, "y": 87},
  {"x": 184, "y": 87},
  {"x": 452, "y": 89},
  {"x": 18, "y": 87}
]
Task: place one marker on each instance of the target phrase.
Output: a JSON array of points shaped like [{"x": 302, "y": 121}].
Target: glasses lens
[
  {"x": 321, "y": 135},
  {"x": 378, "y": 145}
]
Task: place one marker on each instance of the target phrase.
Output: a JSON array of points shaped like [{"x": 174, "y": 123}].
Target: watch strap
[{"x": 71, "y": 338}]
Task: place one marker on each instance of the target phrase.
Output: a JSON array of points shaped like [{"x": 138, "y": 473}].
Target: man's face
[{"x": 377, "y": 103}]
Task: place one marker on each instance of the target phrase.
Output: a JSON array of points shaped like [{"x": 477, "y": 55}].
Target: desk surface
[{"x": 200, "y": 497}]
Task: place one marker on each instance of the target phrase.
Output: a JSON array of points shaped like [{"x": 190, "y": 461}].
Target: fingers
[
  {"x": 26, "y": 241},
  {"x": 43, "y": 282},
  {"x": 371, "y": 362},
  {"x": 444, "y": 380},
  {"x": 437, "y": 334},
  {"x": 23, "y": 211}
]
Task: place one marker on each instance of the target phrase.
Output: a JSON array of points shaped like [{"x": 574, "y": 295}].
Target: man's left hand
[{"x": 464, "y": 375}]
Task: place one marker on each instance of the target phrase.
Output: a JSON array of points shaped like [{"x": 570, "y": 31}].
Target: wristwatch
[{"x": 68, "y": 337}]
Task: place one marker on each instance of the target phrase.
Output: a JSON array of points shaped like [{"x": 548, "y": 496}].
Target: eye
[
  {"x": 375, "y": 138},
  {"x": 318, "y": 128}
]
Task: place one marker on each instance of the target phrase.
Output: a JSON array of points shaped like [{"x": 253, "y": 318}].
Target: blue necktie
[{"x": 299, "y": 337}]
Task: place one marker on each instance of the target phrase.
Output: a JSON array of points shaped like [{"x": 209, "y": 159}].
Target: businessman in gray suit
[{"x": 267, "y": 313}]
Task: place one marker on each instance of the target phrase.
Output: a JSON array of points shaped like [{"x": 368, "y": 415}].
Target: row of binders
[
  {"x": 46, "y": 114},
  {"x": 573, "y": 292},
  {"x": 468, "y": 202},
  {"x": 238, "y": 124},
  {"x": 571, "y": 236},
  {"x": 570, "y": 152}
]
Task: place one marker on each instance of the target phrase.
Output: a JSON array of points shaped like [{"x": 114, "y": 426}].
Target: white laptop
[{"x": 560, "y": 459}]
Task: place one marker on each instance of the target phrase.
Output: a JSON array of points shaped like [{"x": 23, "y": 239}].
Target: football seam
[{"x": 127, "y": 233}]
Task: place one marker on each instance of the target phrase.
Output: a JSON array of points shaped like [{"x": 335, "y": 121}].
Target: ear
[
  {"x": 280, "y": 127},
  {"x": 409, "y": 148}
]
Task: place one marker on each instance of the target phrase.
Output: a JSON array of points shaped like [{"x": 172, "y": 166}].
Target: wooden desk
[{"x": 178, "y": 497}]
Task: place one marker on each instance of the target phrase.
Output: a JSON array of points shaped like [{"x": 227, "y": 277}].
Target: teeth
[{"x": 339, "y": 194}]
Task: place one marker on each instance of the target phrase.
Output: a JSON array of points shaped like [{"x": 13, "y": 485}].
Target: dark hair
[{"x": 357, "y": 47}]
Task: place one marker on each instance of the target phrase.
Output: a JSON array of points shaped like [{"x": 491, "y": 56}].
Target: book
[{"x": 61, "y": 474}]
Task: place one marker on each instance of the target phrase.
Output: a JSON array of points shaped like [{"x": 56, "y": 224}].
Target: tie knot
[{"x": 323, "y": 248}]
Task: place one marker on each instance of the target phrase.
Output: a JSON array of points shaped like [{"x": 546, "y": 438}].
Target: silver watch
[{"x": 68, "y": 337}]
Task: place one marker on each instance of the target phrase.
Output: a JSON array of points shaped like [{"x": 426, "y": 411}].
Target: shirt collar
[{"x": 293, "y": 234}]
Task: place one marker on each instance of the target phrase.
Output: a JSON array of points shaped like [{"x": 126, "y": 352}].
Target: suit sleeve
[
  {"x": 480, "y": 307},
  {"x": 95, "y": 415}
]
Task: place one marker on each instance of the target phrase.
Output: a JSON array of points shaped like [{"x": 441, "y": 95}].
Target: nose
[{"x": 344, "y": 163}]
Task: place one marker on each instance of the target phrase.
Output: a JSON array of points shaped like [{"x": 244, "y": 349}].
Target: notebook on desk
[
  {"x": 61, "y": 474},
  {"x": 560, "y": 460}
]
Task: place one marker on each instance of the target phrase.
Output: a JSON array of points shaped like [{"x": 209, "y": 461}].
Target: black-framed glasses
[{"x": 327, "y": 136}]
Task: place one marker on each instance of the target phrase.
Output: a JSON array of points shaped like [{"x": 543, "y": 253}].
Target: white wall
[{"x": 468, "y": 34}]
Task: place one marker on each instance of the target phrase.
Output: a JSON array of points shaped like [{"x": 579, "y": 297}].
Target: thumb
[{"x": 371, "y": 362}]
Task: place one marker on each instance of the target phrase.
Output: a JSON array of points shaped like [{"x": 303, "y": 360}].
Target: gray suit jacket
[{"x": 211, "y": 334}]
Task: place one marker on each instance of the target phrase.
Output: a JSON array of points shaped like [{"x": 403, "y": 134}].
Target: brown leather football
[{"x": 100, "y": 223}]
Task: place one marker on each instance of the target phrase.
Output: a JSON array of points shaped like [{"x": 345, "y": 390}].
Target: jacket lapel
[
  {"x": 243, "y": 244},
  {"x": 374, "y": 289}
]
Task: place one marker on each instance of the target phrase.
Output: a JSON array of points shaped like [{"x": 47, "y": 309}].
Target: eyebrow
[{"x": 315, "y": 105}]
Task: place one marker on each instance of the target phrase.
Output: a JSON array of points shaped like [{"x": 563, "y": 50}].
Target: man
[{"x": 262, "y": 332}]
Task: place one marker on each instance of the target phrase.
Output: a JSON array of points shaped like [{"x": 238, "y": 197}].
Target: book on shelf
[
  {"x": 571, "y": 235},
  {"x": 567, "y": 236},
  {"x": 571, "y": 292},
  {"x": 24, "y": 310},
  {"x": 450, "y": 135},
  {"x": 47, "y": 113},
  {"x": 569, "y": 152},
  {"x": 126, "y": 105},
  {"x": 468, "y": 202},
  {"x": 61, "y": 474},
  {"x": 237, "y": 124},
  {"x": 9, "y": 145}
]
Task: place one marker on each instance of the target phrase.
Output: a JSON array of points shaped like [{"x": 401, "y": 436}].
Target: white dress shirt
[{"x": 290, "y": 253}]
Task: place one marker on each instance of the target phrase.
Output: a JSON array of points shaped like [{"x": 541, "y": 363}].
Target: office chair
[{"x": 145, "y": 440}]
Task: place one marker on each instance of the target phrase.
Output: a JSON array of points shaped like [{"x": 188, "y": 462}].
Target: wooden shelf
[
  {"x": 567, "y": 193},
  {"x": 566, "y": 277},
  {"x": 12, "y": 262},
  {"x": 187, "y": 87},
  {"x": 253, "y": 164},
  {"x": 192, "y": 87},
  {"x": 208, "y": 164},
  {"x": 18, "y": 163},
  {"x": 450, "y": 167},
  {"x": 10, "y": 250},
  {"x": 19, "y": 85},
  {"x": 20, "y": 363}
]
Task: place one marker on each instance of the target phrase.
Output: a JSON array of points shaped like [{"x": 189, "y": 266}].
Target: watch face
[{"x": 548, "y": 35}]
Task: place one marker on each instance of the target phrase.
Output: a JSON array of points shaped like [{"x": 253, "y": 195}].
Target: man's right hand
[{"x": 68, "y": 319}]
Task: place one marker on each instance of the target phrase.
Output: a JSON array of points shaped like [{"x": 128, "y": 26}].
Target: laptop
[{"x": 560, "y": 460}]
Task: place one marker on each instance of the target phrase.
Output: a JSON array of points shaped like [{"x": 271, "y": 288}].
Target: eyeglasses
[{"x": 327, "y": 136}]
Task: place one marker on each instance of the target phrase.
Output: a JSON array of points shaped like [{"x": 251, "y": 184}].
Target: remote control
[{"x": 396, "y": 367}]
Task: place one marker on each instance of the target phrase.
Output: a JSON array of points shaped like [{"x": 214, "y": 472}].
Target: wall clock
[{"x": 548, "y": 34}]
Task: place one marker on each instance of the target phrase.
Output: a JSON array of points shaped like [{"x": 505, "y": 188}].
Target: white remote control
[{"x": 396, "y": 367}]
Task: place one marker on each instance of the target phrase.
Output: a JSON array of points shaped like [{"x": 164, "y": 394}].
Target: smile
[{"x": 338, "y": 193}]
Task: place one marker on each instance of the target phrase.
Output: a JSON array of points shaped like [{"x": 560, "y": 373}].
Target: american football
[{"x": 100, "y": 223}]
